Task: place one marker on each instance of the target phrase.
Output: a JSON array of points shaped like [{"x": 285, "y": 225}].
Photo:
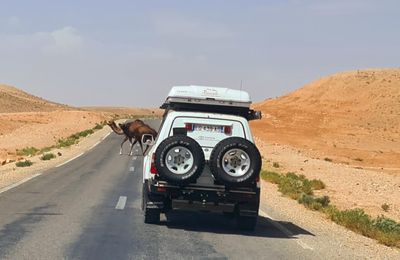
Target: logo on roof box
[{"x": 210, "y": 92}]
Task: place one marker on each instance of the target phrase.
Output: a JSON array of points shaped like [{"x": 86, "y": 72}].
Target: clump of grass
[
  {"x": 327, "y": 159},
  {"x": 313, "y": 202},
  {"x": 47, "y": 156},
  {"x": 275, "y": 165},
  {"x": 73, "y": 139},
  {"x": 385, "y": 207},
  {"x": 85, "y": 133},
  {"x": 98, "y": 127},
  {"x": 358, "y": 159},
  {"x": 317, "y": 184},
  {"x": 293, "y": 185},
  {"x": 46, "y": 149},
  {"x": 272, "y": 177},
  {"x": 67, "y": 142},
  {"x": 385, "y": 230},
  {"x": 25, "y": 163},
  {"x": 28, "y": 151}
]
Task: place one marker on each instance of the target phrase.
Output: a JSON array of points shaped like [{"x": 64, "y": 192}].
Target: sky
[{"x": 130, "y": 53}]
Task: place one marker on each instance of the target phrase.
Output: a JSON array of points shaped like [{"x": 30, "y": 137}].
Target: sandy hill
[
  {"x": 352, "y": 117},
  {"x": 126, "y": 111},
  {"x": 14, "y": 100}
]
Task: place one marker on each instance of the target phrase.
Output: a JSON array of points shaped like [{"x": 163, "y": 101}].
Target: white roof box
[{"x": 204, "y": 95}]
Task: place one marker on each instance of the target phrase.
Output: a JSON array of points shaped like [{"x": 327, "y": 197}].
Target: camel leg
[
  {"x": 141, "y": 146},
  {"x": 120, "y": 150},
  {"x": 132, "y": 145}
]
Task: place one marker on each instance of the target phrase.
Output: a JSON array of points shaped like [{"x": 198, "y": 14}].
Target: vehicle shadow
[{"x": 220, "y": 224}]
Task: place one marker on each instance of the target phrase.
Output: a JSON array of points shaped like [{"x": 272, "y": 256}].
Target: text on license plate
[{"x": 209, "y": 128}]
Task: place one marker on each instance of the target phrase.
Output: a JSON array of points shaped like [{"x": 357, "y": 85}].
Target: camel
[
  {"x": 133, "y": 130},
  {"x": 126, "y": 129}
]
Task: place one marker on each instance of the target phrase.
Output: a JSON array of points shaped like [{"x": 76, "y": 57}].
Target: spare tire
[
  {"x": 179, "y": 159},
  {"x": 235, "y": 161}
]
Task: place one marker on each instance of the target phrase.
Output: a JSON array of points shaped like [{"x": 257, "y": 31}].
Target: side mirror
[
  {"x": 148, "y": 139},
  {"x": 257, "y": 115},
  {"x": 254, "y": 115}
]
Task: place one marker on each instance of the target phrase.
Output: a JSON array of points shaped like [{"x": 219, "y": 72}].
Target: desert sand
[
  {"x": 351, "y": 117},
  {"x": 343, "y": 129},
  {"x": 30, "y": 121}
]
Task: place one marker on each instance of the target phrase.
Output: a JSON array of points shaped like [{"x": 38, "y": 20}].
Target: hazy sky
[{"x": 129, "y": 53}]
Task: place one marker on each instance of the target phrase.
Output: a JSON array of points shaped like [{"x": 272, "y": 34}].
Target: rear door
[{"x": 208, "y": 131}]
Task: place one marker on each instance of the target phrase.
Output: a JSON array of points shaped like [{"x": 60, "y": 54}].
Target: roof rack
[{"x": 210, "y": 99}]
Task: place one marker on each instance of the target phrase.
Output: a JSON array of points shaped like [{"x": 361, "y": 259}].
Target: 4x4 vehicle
[{"x": 204, "y": 157}]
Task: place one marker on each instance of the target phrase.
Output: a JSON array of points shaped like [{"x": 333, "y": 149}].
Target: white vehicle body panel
[{"x": 206, "y": 139}]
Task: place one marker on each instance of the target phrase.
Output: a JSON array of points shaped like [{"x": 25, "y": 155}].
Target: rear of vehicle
[{"x": 203, "y": 161}]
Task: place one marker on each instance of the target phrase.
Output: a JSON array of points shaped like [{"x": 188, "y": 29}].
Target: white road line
[
  {"x": 285, "y": 230},
  {"x": 93, "y": 146},
  {"x": 132, "y": 169},
  {"x": 18, "y": 183},
  {"x": 69, "y": 160},
  {"x": 105, "y": 136},
  {"x": 121, "y": 203}
]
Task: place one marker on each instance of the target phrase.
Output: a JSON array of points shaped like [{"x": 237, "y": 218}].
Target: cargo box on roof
[{"x": 209, "y": 99}]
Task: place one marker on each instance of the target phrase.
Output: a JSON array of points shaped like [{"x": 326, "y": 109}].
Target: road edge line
[
  {"x": 69, "y": 160},
  {"x": 284, "y": 230},
  {"x": 12, "y": 186}
]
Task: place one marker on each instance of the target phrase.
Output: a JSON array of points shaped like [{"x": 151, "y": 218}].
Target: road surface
[{"x": 89, "y": 208}]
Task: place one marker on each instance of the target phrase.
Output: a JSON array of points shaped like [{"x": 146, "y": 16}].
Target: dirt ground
[
  {"x": 41, "y": 129},
  {"x": 10, "y": 174},
  {"x": 343, "y": 129},
  {"x": 346, "y": 186},
  {"x": 352, "y": 117}
]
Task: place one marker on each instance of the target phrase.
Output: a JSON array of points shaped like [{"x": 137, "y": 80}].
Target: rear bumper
[
  {"x": 180, "y": 204},
  {"x": 244, "y": 201}
]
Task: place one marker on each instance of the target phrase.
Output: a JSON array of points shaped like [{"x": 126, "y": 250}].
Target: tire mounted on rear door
[
  {"x": 235, "y": 161},
  {"x": 179, "y": 159}
]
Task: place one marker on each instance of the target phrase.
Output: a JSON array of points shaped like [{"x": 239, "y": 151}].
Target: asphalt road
[{"x": 89, "y": 208}]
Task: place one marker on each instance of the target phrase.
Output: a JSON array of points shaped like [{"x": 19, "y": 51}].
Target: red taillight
[
  {"x": 189, "y": 127},
  {"x": 153, "y": 168},
  {"x": 228, "y": 130},
  {"x": 161, "y": 189},
  {"x": 258, "y": 181}
]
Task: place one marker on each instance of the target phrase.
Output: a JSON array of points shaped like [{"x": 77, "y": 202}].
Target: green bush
[
  {"x": 272, "y": 177},
  {"x": 28, "y": 151},
  {"x": 98, "y": 127},
  {"x": 25, "y": 163},
  {"x": 354, "y": 219},
  {"x": 314, "y": 203},
  {"x": 317, "y": 184},
  {"x": 46, "y": 149},
  {"x": 66, "y": 142},
  {"x": 384, "y": 230},
  {"x": 291, "y": 184},
  {"x": 85, "y": 133},
  {"x": 47, "y": 156}
]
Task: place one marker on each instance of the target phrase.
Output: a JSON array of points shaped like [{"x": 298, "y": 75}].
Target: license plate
[{"x": 209, "y": 128}]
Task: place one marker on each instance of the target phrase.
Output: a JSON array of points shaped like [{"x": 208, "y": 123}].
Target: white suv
[{"x": 204, "y": 157}]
